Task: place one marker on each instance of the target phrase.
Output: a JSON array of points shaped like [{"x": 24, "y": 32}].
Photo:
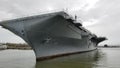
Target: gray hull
[{"x": 52, "y": 34}]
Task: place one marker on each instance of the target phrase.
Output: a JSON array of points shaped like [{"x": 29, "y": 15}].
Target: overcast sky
[{"x": 99, "y": 16}]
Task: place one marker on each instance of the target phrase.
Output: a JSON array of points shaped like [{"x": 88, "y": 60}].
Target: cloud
[
  {"x": 108, "y": 24},
  {"x": 5, "y": 15},
  {"x": 7, "y": 36},
  {"x": 90, "y": 22},
  {"x": 90, "y": 4},
  {"x": 30, "y": 7}
]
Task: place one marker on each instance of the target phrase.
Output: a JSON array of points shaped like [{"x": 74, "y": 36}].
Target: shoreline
[
  {"x": 109, "y": 47},
  {"x": 24, "y": 46}
]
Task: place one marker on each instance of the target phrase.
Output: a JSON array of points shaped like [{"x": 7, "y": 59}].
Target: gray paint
[{"x": 52, "y": 34}]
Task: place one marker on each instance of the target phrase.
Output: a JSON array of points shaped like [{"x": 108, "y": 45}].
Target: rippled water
[{"x": 101, "y": 58}]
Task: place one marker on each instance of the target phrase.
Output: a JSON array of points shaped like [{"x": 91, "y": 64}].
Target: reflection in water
[
  {"x": 101, "y": 58},
  {"x": 17, "y": 59},
  {"x": 83, "y": 60}
]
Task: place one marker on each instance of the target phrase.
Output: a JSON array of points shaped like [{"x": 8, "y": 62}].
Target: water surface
[{"x": 101, "y": 58}]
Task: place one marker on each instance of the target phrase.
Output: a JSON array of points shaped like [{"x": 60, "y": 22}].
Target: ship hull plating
[{"x": 52, "y": 35}]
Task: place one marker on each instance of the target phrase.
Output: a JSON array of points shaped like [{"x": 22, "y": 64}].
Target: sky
[{"x": 101, "y": 17}]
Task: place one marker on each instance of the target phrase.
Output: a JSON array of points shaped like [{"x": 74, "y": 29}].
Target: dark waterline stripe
[{"x": 61, "y": 55}]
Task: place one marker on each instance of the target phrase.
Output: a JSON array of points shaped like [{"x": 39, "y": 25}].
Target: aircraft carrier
[{"x": 53, "y": 34}]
